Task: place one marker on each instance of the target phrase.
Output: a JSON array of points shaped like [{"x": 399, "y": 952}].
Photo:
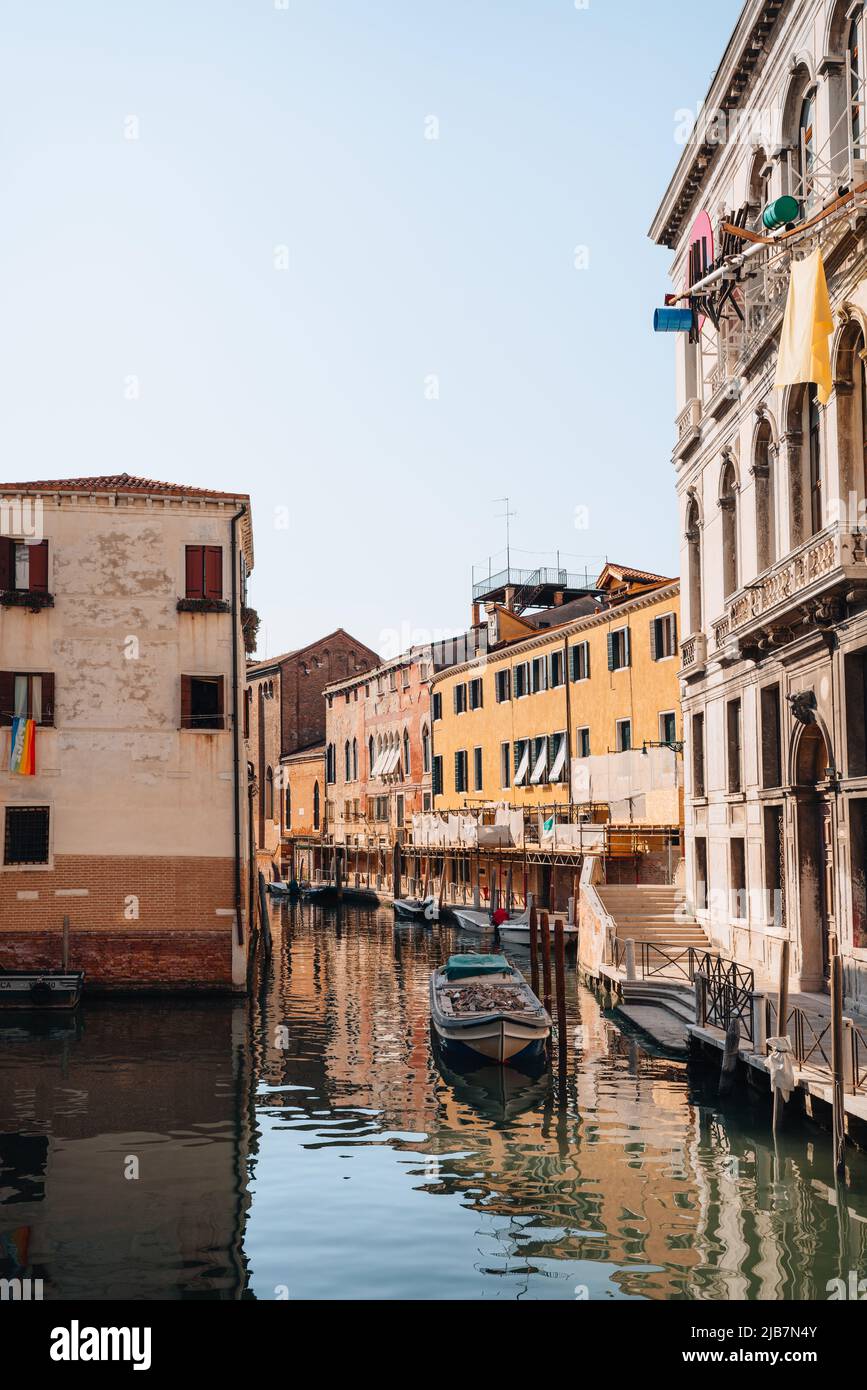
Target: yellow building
[{"x": 579, "y": 714}]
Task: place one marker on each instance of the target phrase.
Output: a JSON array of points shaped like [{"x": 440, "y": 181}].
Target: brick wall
[
  {"x": 177, "y": 941},
  {"x": 305, "y": 675}
]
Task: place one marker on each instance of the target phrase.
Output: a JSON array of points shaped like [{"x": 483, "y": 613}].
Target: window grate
[{"x": 26, "y": 838}]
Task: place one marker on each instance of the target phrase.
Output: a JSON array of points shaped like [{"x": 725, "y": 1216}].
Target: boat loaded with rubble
[{"x": 482, "y": 1003}]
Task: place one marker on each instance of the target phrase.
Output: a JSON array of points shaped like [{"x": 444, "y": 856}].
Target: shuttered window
[
  {"x": 478, "y": 775},
  {"x": 461, "y": 771},
  {"x": 503, "y": 684},
  {"x": 580, "y": 661},
  {"x": 437, "y": 776},
  {"x": 202, "y": 705},
  {"x": 23, "y": 566},
  {"x": 618, "y": 649},
  {"x": 663, "y": 637},
  {"x": 27, "y": 695},
  {"x": 555, "y": 669},
  {"x": 204, "y": 571}
]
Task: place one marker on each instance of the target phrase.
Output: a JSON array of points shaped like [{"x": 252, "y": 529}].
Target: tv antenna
[{"x": 506, "y": 516}]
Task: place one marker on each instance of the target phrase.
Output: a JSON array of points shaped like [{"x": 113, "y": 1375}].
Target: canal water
[{"x": 309, "y": 1144}]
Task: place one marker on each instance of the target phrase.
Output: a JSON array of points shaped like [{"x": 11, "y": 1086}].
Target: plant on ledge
[
  {"x": 203, "y": 605},
  {"x": 250, "y": 627},
  {"x": 34, "y": 599}
]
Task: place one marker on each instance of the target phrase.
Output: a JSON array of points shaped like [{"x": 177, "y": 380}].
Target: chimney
[
  {"x": 558, "y": 598},
  {"x": 476, "y": 615}
]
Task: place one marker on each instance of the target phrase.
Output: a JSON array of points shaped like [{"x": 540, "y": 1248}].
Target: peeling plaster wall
[{"x": 120, "y": 776}]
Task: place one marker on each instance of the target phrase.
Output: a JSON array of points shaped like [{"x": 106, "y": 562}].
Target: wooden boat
[
  {"x": 419, "y": 909},
  {"x": 483, "y": 1004},
  {"x": 514, "y": 929},
  {"x": 40, "y": 989},
  {"x": 319, "y": 892}
]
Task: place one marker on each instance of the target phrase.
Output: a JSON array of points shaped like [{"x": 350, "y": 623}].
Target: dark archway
[{"x": 816, "y": 828}]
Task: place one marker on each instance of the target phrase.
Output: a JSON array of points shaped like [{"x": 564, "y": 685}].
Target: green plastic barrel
[{"x": 780, "y": 211}]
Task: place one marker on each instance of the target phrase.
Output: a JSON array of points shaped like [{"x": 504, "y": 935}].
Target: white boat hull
[{"x": 499, "y": 1041}]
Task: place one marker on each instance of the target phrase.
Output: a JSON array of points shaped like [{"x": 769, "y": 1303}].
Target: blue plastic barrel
[{"x": 672, "y": 320}]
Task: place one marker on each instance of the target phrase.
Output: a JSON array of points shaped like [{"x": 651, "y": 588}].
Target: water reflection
[{"x": 312, "y": 1144}]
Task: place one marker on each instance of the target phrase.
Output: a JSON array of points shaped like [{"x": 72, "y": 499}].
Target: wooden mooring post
[
  {"x": 782, "y": 1025},
  {"x": 730, "y": 1056},
  {"x": 838, "y": 1067},
  {"x": 560, "y": 982},
  {"x": 64, "y": 949},
  {"x": 534, "y": 948},
  {"x": 546, "y": 960}
]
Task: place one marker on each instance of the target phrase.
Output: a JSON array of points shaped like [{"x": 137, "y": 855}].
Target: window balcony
[
  {"x": 203, "y": 605},
  {"x": 807, "y": 586},
  {"x": 32, "y": 599},
  {"x": 688, "y": 428},
  {"x": 693, "y": 655}
]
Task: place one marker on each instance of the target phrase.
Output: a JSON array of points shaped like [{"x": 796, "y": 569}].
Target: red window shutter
[
  {"x": 48, "y": 697},
  {"x": 195, "y": 572},
  {"x": 213, "y": 571},
  {"x": 7, "y": 696},
  {"x": 39, "y": 566},
  {"x": 7, "y": 563},
  {"x": 186, "y": 701},
  {"x": 220, "y": 721}
]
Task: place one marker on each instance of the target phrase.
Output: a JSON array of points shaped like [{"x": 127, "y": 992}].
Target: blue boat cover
[{"x": 460, "y": 967}]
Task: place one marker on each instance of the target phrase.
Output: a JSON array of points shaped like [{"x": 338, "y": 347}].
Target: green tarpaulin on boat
[{"x": 459, "y": 967}]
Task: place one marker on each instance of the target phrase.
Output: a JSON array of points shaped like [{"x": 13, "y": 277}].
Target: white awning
[
  {"x": 521, "y": 769},
  {"x": 376, "y": 770},
  {"x": 391, "y": 762},
  {"x": 539, "y": 766},
  {"x": 559, "y": 760}
]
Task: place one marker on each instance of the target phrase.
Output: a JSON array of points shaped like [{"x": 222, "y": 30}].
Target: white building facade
[{"x": 771, "y": 504}]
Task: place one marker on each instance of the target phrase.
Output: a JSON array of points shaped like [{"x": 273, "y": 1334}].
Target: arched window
[
  {"x": 759, "y": 190},
  {"x": 805, "y": 152},
  {"x": 371, "y": 755},
  {"x": 406, "y": 762},
  {"x": 425, "y": 748},
  {"x": 269, "y": 795},
  {"x": 315, "y": 805},
  {"x": 693, "y": 537},
  {"x": 729, "y": 506},
  {"x": 347, "y": 761},
  {"x": 355, "y": 760},
  {"x": 766, "y": 500}
]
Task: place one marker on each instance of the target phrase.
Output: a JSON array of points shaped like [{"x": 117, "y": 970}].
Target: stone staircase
[
  {"x": 651, "y": 912},
  {"x": 654, "y": 914}
]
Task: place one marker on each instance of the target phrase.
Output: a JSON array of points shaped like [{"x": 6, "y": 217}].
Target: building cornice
[
  {"x": 554, "y": 636},
  {"x": 743, "y": 56}
]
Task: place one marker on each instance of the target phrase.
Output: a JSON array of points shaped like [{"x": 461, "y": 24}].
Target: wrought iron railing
[{"x": 728, "y": 990}]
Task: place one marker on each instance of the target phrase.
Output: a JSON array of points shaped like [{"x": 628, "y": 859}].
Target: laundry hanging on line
[{"x": 805, "y": 354}]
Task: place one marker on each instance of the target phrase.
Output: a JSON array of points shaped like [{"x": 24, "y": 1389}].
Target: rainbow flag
[{"x": 22, "y": 749}]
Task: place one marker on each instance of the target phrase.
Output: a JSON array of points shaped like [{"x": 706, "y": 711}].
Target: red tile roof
[{"x": 120, "y": 482}]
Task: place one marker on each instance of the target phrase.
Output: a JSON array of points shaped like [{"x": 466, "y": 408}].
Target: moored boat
[
  {"x": 515, "y": 929},
  {"x": 417, "y": 909},
  {"x": 482, "y": 1003},
  {"x": 40, "y": 989}
]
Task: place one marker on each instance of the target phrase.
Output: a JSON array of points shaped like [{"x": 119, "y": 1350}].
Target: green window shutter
[
  {"x": 627, "y": 646},
  {"x": 654, "y": 649},
  {"x": 611, "y": 651}
]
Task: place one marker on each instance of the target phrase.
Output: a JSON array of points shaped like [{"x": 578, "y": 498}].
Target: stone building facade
[
  {"x": 121, "y": 608},
  {"x": 771, "y": 493}
]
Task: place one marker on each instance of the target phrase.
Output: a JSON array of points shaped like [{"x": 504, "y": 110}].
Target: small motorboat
[
  {"x": 278, "y": 889},
  {"x": 40, "y": 989},
  {"x": 515, "y": 929},
  {"x": 418, "y": 909},
  {"x": 482, "y": 1003}
]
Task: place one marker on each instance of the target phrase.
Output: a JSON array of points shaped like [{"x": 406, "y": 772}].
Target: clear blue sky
[{"x": 148, "y": 265}]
